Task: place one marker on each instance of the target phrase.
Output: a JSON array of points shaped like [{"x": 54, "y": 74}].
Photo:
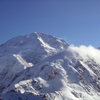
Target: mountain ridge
[{"x": 41, "y": 65}]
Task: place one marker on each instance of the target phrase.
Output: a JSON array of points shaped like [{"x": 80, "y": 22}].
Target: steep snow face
[
  {"x": 45, "y": 67},
  {"x": 37, "y": 45},
  {"x": 38, "y": 42}
]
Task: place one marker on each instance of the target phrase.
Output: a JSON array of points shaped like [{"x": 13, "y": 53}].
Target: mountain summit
[{"x": 38, "y": 66}]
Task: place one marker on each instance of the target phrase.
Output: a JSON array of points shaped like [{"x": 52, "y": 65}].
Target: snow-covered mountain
[{"x": 38, "y": 66}]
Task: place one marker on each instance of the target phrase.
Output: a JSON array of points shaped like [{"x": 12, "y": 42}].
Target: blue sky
[{"x": 77, "y": 21}]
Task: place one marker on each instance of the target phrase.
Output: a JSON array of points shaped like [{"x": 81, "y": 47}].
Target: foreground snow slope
[{"x": 39, "y": 66}]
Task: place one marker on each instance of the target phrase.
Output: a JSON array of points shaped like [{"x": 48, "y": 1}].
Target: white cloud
[{"x": 86, "y": 51}]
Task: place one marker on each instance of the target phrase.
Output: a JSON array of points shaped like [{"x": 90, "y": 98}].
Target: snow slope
[
  {"x": 39, "y": 66},
  {"x": 22, "y": 61}
]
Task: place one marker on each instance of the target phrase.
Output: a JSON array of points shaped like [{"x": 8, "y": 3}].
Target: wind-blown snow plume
[{"x": 86, "y": 52}]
